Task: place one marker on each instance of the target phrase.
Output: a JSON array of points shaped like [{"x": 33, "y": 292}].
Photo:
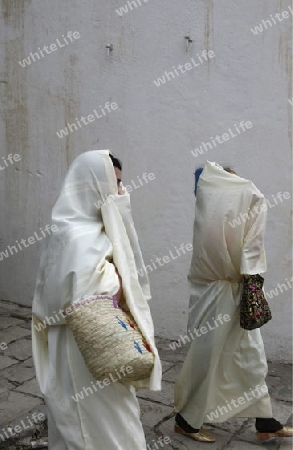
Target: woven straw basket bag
[{"x": 109, "y": 339}]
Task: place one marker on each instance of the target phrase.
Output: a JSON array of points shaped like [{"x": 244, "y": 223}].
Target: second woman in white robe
[{"x": 224, "y": 362}]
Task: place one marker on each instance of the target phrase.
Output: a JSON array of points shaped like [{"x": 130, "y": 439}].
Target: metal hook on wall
[
  {"x": 188, "y": 41},
  {"x": 110, "y": 48}
]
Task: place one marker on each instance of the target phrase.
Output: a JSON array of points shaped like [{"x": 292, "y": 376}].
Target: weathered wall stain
[
  {"x": 70, "y": 104},
  {"x": 209, "y": 4},
  {"x": 15, "y": 105},
  {"x": 208, "y": 30},
  {"x": 285, "y": 59}
]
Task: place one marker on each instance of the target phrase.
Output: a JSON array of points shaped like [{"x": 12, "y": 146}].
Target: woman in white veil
[
  {"x": 223, "y": 375},
  {"x": 94, "y": 248}
]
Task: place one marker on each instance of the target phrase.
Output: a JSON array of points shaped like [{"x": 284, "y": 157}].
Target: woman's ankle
[
  {"x": 267, "y": 425},
  {"x": 181, "y": 422}
]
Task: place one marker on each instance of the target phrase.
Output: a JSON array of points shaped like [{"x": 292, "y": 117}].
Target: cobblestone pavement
[{"x": 21, "y": 405}]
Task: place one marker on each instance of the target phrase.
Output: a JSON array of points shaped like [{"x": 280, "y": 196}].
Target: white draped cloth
[
  {"x": 95, "y": 234},
  {"x": 223, "y": 375}
]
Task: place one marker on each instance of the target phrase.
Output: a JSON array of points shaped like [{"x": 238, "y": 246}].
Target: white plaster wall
[{"x": 153, "y": 130}]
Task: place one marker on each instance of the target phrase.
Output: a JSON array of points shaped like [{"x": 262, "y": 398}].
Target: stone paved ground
[{"x": 20, "y": 396}]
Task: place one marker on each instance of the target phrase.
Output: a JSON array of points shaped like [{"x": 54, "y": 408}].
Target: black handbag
[{"x": 254, "y": 309}]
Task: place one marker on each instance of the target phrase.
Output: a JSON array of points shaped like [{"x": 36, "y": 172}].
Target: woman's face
[{"x": 118, "y": 173}]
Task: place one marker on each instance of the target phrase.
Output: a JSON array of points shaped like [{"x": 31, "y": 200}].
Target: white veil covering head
[{"x": 95, "y": 234}]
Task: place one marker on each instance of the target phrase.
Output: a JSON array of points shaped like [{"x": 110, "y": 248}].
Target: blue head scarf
[{"x": 197, "y": 174}]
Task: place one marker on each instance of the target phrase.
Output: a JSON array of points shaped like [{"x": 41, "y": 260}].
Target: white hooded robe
[
  {"x": 224, "y": 362},
  {"x": 95, "y": 234}
]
